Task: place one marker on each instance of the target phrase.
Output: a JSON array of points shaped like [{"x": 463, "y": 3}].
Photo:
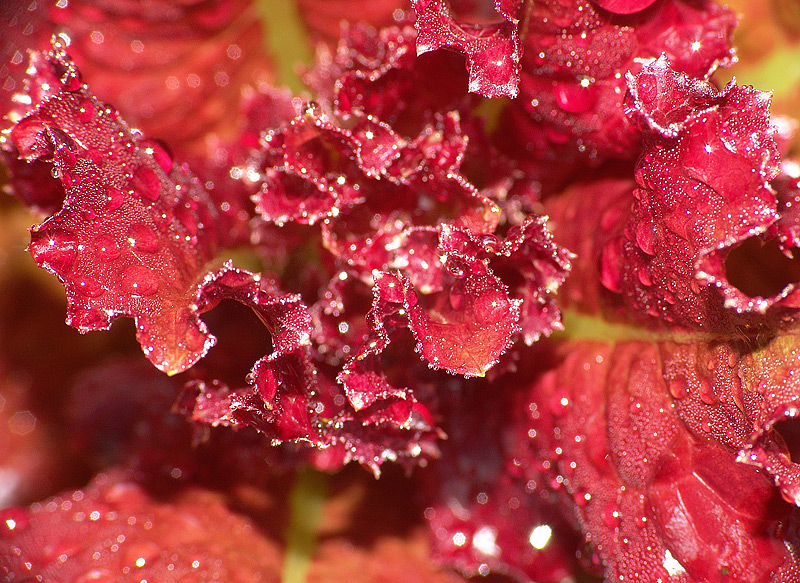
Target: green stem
[
  {"x": 286, "y": 40},
  {"x": 590, "y": 328},
  {"x": 306, "y": 503}
]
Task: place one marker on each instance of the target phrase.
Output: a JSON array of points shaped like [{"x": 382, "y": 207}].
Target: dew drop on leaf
[
  {"x": 611, "y": 515},
  {"x": 114, "y": 197},
  {"x": 456, "y": 297},
  {"x": 86, "y": 111},
  {"x": 575, "y": 98},
  {"x": 139, "y": 280},
  {"x": 146, "y": 184},
  {"x": 13, "y": 520},
  {"x": 106, "y": 248},
  {"x": 159, "y": 153},
  {"x": 90, "y": 288},
  {"x": 143, "y": 239},
  {"x": 678, "y": 388},
  {"x": 58, "y": 250}
]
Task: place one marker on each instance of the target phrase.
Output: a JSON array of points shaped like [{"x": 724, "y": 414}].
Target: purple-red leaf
[
  {"x": 703, "y": 189},
  {"x": 492, "y": 49},
  {"x": 178, "y": 72},
  {"x": 464, "y": 329},
  {"x": 653, "y": 472},
  {"x": 135, "y": 230},
  {"x": 114, "y": 530},
  {"x": 624, "y": 6},
  {"x": 572, "y": 88}
]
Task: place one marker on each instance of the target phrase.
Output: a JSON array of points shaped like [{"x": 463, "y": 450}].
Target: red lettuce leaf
[
  {"x": 314, "y": 169},
  {"x": 192, "y": 74},
  {"x": 324, "y": 19},
  {"x": 115, "y": 530},
  {"x": 653, "y": 434},
  {"x": 492, "y": 49},
  {"x": 624, "y": 6},
  {"x": 285, "y": 316},
  {"x": 571, "y": 107},
  {"x": 527, "y": 260},
  {"x": 377, "y": 72},
  {"x": 703, "y": 190},
  {"x": 593, "y": 237},
  {"x": 23, "y": 28},
  {"x": 466, "y": 317},
  {"x": 178, "y": 72},
  {"x": 290, "y": 398},
  {"x": 487, "y": 513},
  {"x": 463, "y": 329},
  {"x": 656, "y": 493},
  {"x": 135, "y": 230}
]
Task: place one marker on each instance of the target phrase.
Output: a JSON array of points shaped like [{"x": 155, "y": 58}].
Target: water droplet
[
  {"x": 456, "y": 297},
  {"x": 143, "y": 239},
  {"x": 90, "y": 288},
  {"x": 159, "y": 152},
  {"x": 582, "y": 497},
  {"x": 611, "y": 515},
  {"x": 490, "y": 243},
  {"x": 58, "y": 250},
  {"x": 575, "y": 97},
  {"x": 678, "y": 388},
  {"x": 648, "y": 87},
  {"x": 139, "y": 280},
  {"x": 645, "y": 237},
  {"x": 164, "y": 220},
  {"x": 12, "y": 522},
  {"x": 114, "y": 197},
  {"x": 146, "y": 184},
  {"x": 85, "y": 111},
  {"x": 141, "y": 553},
  {"x": 459, "y": 241},
  {"x": 72, "y": 80},
  {"x": 560, "y": 401},
  {"x": 106, "y": 248},
  {"x": 636, "y": 406},
  {"x": 706, "y": 392},
  {"x": 456, "y": 268}
]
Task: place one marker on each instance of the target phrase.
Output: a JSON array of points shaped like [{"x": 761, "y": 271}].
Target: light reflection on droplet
[
  {"x": 671, "y": 564},
  {"x": 484, "y": 541},
  {"x": 540, "y": 536}
]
